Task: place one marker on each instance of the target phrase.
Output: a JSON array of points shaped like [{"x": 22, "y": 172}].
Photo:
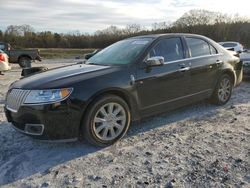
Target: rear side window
[
  {"x": 213, "y": 50},
  {"x": 171, "y": 49},
  {"x": 198, "y": 47}
]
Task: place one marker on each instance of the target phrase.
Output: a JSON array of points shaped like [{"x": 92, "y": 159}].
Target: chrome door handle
[
  {"x": 182, "y": 65},
  {"x": 218, "y": 62},
  {"x": 184, "y": 69}
]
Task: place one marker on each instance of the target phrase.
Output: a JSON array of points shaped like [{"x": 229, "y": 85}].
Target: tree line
[{"x": 218, "y": 26}]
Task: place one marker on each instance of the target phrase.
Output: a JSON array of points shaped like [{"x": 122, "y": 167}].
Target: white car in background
[
  {"x": 4, "y": 62},
  {"x": 234, "y": 46}
]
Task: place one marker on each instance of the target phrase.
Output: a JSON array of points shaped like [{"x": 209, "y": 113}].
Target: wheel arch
[
  {"x": 24, "y": 55},
  {"x": 230, "y": 73},
  {"x": 118, "y": 92}
]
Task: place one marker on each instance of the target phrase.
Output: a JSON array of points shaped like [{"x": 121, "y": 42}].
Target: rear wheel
[
  {"x": 223, "y": 90},
  {"x": 106, "y": 121},
  {"x": 24, "y": 62}
]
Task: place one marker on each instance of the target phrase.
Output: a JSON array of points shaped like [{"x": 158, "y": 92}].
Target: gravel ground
[{"x": 197, "y": 146}]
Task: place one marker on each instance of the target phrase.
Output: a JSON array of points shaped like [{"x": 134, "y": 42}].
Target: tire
[
  {"x": 24, "y": 62},
  {"x": 32, "y": 70},
  {"x": 223, "y": 90},
  {"x": 106, "y": 121}
]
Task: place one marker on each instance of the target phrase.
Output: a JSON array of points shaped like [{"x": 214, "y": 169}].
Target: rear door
[
  {"x": 205, "y": 62},
  {"x": 160, "y": 87}
]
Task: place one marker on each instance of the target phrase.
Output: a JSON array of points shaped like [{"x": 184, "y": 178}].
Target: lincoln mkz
[{"x": 132, "y": 79}]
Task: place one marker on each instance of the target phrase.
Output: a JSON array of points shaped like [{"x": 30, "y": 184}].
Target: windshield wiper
[{"x": 97, "y": 64}]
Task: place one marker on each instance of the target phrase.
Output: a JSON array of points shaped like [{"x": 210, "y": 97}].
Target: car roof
[
  {"x": 168, "y": 34},
  {"x": 228, "y": 42}
]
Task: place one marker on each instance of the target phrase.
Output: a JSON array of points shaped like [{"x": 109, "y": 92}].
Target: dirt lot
[{"x": 196, "y": 146}]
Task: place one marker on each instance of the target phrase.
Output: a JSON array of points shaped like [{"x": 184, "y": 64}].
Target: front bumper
[{"x": 59, "y": 121}]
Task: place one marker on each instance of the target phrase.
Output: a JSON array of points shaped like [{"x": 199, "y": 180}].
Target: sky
[{"x": 88, "y": 16}]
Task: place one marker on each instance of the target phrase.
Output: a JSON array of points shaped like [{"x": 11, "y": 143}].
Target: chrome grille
[{"x": 15, "y": 99}]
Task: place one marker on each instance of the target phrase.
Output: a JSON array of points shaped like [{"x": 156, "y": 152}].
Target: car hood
[{"x": 61, "y": 77}]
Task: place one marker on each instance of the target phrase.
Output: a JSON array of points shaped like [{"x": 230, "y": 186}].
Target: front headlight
[{"x": 47, "y": 96}]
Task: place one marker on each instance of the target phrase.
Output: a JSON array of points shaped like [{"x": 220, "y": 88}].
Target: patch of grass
[{"x": 63, "y": 53}]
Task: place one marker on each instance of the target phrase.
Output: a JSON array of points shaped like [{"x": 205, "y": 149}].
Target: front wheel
[
  {"x": 223, "y": 90},
  {"x": 106, "y": 121}
]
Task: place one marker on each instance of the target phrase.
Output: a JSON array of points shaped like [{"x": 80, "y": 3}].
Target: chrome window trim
[{"x": 192, "y": 58}]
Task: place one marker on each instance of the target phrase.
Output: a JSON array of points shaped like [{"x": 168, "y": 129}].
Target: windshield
[{"x": 120, "y": 53}]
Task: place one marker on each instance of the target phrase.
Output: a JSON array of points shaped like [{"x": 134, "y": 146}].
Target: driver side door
[{"x": 163, "y": 87}]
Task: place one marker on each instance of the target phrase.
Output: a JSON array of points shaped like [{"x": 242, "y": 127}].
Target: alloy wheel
[
  {"x": 224, "y": 91},
  {"x": 109, "y": 121}
]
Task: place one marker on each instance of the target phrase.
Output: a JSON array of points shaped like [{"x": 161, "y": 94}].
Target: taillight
[{"x": 2, "y": 57}]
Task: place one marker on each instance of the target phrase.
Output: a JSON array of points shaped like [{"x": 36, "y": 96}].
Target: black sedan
[{"x": 129, "y": 80}]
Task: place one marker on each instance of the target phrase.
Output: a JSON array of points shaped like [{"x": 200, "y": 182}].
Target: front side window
[
  {"x": 198, "y": 47},
  {"x": 171, "y": 49}
]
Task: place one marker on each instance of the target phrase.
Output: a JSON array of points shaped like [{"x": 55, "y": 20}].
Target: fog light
[{"x": 34, "y": 129}]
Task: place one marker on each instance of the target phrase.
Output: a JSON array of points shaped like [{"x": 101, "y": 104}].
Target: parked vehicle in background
[
  {"x": 129, "y": 80},
  {"x": 245, "y": 58},
  {"x": 22, "y": 57},
  {"x": 89, "y": 55},
  {"x": 4, "y": 62},
  {"x": 246, "y": 69},
  {"x": 234, "y": 46}
]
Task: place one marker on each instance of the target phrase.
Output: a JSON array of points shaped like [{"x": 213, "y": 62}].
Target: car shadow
[
  {"x": 22, "y": 156},
  {"x": 19, "y": 161}
]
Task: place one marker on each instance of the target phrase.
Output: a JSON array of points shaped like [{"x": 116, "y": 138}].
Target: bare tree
[
  {"x": 19, "y": 30},
  {"x": 201, "y": 17},
  {"x": 132, "y": 29},
  {"x": 160, "y": 26}
]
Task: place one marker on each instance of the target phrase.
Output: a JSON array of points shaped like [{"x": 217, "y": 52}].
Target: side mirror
[
  {"x": 155, "y": 61},
  {"x": 82, "y": 62},
  {"x": 89, "y": 55}
]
